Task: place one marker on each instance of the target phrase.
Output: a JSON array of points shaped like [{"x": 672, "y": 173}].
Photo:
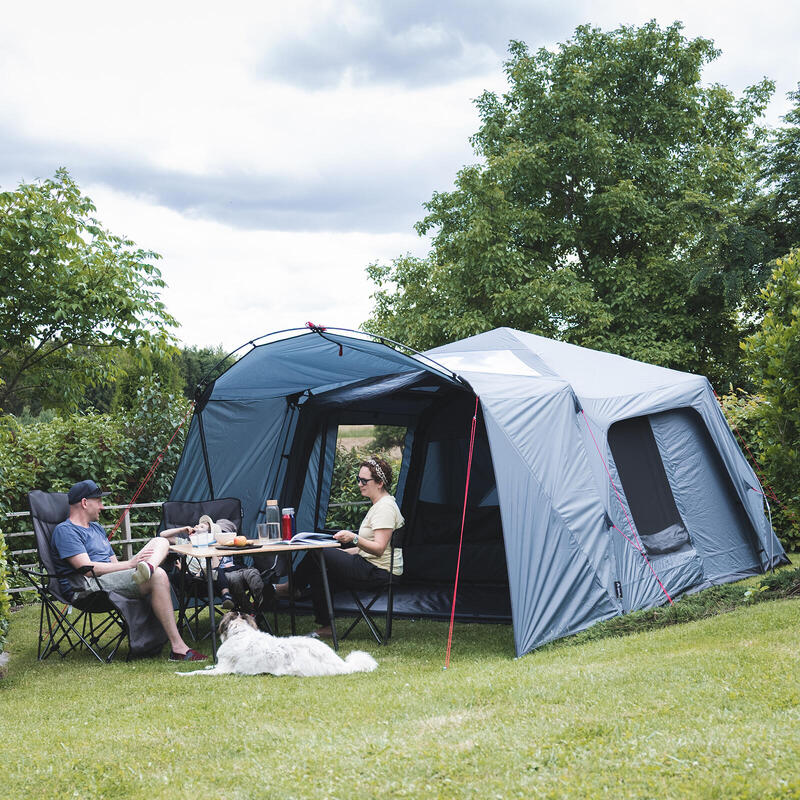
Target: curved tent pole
[{"x": 311, "y": 328}]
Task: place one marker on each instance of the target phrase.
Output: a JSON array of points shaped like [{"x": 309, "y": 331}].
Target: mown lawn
[{"x": 707, "y": 709}]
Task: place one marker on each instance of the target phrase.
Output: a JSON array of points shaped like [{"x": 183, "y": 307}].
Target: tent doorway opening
[{"x": 429, "y": 485}]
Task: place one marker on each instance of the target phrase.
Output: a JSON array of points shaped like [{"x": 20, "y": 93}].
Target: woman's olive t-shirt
[{"x": 383, "y": 514}]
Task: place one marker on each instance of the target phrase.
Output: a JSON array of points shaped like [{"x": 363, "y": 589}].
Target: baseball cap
[{"x": 84, "y": 489}]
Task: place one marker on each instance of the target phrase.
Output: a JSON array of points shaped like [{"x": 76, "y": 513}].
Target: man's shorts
[{"x": 120, "y": 581}]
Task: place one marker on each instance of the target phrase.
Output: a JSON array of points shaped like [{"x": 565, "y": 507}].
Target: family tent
[{"x": 598, "y": 485}]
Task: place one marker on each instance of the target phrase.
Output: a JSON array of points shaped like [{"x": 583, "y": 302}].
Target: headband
[{"x": 378, "y": 470}]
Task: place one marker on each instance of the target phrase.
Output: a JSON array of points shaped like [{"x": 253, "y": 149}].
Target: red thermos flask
[{"x": 286, "y": 525}]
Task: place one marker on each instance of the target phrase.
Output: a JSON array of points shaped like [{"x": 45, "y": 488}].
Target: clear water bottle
[{"x": 273, "y": 520}]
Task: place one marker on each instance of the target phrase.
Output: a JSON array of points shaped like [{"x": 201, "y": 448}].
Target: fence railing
[
  {"x": 122, "y": 541},
  {"x": 129, "y": 533}
]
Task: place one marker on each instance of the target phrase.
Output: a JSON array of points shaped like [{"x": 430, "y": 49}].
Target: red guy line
[{"x": 461, "y": 536}]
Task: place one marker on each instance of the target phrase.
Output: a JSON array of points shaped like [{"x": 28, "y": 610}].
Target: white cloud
[
  {"x": 227, "y": 286},
  {"x": 207, "y": 132}
]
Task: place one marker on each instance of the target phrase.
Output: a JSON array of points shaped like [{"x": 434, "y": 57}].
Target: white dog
[{"x": 245, "y": 650}]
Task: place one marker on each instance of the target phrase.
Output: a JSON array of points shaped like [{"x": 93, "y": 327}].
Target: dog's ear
[
  {"x": 250, "y": 620},
  {"x": 225, "y": 622}
]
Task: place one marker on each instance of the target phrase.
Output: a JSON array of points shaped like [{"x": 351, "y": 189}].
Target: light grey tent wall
[
  {"x": 560, "y": 565},
  {"x": 742, "y": 476},
  {"x": 678, "y": 572},
  {"x": 719, "y": 528}
]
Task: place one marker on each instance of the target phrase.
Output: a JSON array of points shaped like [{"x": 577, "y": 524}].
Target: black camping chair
[
  {"x": 104, "y": 619},
  {"x": 193, "y": 589},
  {"x": 365, "y": 609}
]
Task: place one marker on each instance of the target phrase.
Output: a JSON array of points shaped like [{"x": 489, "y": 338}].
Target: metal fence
[{"x": 132, "y": 530}]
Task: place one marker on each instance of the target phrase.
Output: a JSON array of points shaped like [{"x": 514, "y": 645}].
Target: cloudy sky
[{"x": 271, "y": 150}]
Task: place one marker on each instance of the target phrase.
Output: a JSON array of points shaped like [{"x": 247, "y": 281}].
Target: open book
[{"x": 309, "y": 536}]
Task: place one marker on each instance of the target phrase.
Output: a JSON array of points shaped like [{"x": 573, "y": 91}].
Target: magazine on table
[{"x": 304, "y": 537}]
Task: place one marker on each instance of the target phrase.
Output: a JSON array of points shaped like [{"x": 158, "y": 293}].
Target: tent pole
[{"x": 461, "y": 535}]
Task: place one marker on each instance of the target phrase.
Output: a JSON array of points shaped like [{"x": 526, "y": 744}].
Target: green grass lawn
[{"x": 706, "y": 709}]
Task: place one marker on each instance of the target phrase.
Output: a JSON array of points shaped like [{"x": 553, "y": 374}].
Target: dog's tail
[{"x": 359, "y": 661}]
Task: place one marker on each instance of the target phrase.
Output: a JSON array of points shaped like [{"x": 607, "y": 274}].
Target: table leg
[
  {"x": 182, "y": 597},
  {"x": 211, "y": 612},
  {"x": 291, "y": 593},
  {"x": 324, "y": 570}
]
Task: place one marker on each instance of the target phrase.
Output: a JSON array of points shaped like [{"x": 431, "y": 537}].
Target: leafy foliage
[
  {"x": 117, "y": 450},
  {"x": 773, "y": 354},
  {"x": 388, "y": 437},
  {"x": 71, "y": 289},
  {"x": 197, "y": 363},
  {"x": 782, "y": 174},
  {"x": 610, "y": 209}
]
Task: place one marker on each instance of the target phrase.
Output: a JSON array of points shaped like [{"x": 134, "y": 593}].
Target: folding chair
[
  {"x": 104, "y": 619},
  {"x": 193, "y": 589},
  {"x": 364, "y": 609}
]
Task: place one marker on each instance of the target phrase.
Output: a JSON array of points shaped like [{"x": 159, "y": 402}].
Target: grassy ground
[{"x": 704, "y": 709}]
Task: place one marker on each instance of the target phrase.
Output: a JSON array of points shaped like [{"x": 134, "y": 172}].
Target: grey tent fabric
[{"x": 550, "y": 530}]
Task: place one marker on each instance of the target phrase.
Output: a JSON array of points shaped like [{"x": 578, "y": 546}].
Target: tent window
[{"x": 647, "y": 490}]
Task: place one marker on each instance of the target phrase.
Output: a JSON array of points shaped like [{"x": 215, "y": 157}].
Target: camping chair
[
  {"x": 193, "y": 589},
  {"x": 364, "y": 609},
  {"x": 104, "y": 619}
]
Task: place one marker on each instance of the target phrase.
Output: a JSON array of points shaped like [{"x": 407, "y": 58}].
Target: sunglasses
[{"x": 363, "y": 481}]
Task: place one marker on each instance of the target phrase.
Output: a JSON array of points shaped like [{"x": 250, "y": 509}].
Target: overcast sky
[{"x": 270, "y": 151}]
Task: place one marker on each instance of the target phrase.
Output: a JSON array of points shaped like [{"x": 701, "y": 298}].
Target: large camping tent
[{"x": 598, "y": 484}]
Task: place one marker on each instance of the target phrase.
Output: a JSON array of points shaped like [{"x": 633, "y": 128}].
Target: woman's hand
[{"x": 344, "y": 537}]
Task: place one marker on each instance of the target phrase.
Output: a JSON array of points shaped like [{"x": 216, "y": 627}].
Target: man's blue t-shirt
[{"x": 70, "y": 540}]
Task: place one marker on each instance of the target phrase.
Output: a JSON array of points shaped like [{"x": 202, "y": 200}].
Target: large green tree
[
  {"x": 782, "y": 176},
  {"x": 609, "y": 208},
  {"x": 69, "y": 290}
]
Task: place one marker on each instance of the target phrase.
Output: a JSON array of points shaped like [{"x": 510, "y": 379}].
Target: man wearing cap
[{"x": 80, "y": 541}]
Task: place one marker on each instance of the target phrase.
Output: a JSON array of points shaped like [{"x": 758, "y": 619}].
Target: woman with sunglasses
[{"x": 365, "y": 557}]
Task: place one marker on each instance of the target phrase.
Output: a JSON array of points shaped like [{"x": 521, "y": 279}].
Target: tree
[
  {"x": 70, "y": 291},
  {"x": 782, "y": 175},
  {"x": 773, "y": 354},
  {"x": 197, "y": 363},
  {"x": 608, "y": 209}
]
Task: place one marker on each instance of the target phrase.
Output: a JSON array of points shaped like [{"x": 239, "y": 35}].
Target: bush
[
  {"x": 116, "y": 450},
  {"x": 773, "y": 354}
]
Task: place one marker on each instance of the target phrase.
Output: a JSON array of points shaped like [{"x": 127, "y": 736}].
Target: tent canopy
[{"x": 599, "y": 484}]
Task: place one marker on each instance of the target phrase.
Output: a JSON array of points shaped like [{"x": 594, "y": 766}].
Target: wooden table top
[{"x": 189, "y": 549}]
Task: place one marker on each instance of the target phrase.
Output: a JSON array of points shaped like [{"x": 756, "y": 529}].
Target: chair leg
[
  {"x": 364, "y": 614},
  {"x": 389, "y": 610}
]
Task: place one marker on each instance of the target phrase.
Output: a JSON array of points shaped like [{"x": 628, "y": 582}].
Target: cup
[{"x": 263, "y": 530}]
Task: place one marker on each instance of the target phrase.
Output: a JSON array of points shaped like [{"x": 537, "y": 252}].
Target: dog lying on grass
[{"x": 245, "y": 650}]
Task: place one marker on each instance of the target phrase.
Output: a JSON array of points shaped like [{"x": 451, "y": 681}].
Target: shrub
[
  {"x": 773, "y": 354},
  {"x": 5, "y": 603}
]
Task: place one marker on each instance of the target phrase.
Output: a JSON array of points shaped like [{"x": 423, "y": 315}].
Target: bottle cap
[
  {"x": 272, "y": 502},
  {"x": 288, "y": 511}
]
